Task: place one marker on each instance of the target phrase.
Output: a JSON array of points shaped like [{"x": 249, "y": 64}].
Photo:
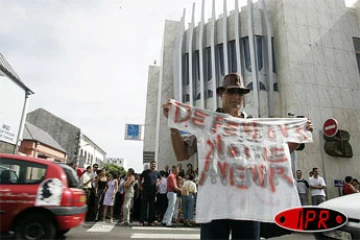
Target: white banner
[
  {"x": 12, "y": 99},
  {"x": 244, "y": 164}
]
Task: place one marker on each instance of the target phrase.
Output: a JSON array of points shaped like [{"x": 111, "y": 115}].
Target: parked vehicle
[
  {"x": 80, "y": 172},
  {"x": 39, "y": 199},
  {"x": 350, "y": 206}
]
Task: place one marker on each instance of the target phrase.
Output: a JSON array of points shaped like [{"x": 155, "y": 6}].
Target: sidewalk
[{"x": 296, "y": 236}]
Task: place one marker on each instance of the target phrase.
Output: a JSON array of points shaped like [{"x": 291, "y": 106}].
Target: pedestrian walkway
[
  {"x": 147, "y": 232},
  {"x": 134, "y": 231},
  {"x": 102, "y": 227},
  {"x": 164, "y": 233}
]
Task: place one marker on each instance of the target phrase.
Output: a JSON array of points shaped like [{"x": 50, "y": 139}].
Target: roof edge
[{"x": 16, "y": 80}]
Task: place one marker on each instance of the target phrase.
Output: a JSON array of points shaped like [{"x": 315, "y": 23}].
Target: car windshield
[{"x": 73, "y": 180}]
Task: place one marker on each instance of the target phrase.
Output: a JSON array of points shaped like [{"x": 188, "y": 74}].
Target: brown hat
[{"x": 233, "y": 80}]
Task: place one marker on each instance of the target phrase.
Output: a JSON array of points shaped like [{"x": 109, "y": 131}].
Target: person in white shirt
[
  {"x": 86, "y": 181},
  {"x": 188, "y": 195},
  {"x": 317, "y": 186},
  {"x": 162, "y": 201}
]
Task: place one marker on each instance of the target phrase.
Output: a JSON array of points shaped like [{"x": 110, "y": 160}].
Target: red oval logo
[{"x": 310, "y": 219}]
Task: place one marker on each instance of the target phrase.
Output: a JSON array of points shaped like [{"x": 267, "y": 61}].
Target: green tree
[{"x": 120, "y": 171}]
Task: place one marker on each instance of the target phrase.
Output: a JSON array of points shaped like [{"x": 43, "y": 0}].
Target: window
[
  {"x": 196, "y": 82},
  {"x": 208, "y": 63},
  {"x": 185, "y": 82},
  {"x": 261, "y": 85},
  {"x": 81, "y": 153},
  {"x": 232, "y": 56},
  {"x": 73, "y": 180},
  {"x": 273, "y": 55},
  {"x": 357, "y": 51},
  {"x": 246, "y": 48},
  {"x": 187, "y": 97},
  {"x": 186, "y": 69},
  {"x": 259, "y": 52},
  {"x": 21, "y": 172},
  {"x": 210, "y": 94},
  {"x": 196, "y": 65},
  {"x": 276, "y": 87},
  {"x": 220, "y": 48}
]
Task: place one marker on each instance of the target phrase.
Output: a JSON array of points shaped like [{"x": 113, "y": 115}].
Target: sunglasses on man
[{"x": 233, "y": 91}]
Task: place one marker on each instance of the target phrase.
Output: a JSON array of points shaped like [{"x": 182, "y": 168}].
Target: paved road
[{"x": 101, "y": 230}]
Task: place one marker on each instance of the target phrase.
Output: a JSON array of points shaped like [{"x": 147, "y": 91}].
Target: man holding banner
[{"x": 244, "y": 164}]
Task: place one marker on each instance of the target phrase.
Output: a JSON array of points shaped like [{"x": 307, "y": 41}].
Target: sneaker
[
  {"x": 164, "y": 224},
  {"x": 141, "y": 224}
]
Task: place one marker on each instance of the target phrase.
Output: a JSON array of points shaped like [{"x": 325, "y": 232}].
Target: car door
[{"x": 19, "y": 183}]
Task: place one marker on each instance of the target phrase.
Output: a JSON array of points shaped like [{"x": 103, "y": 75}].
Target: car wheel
[
  {"x": 34, "y": 227},
  {"x": 62, "y": 232}
]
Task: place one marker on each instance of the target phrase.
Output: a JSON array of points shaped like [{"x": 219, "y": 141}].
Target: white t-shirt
[
  {"x": 85, "y": 178},
  {"x": 315, "y": 182},
  {"x": 163, "y": 185},
  {"x": 191, "y": 186},
  {"x": 93, "y": 176}
]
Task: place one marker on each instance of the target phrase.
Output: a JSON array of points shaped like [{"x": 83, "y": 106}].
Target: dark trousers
[
  {"x": 90, "y": 203},
  {"x": 220, "y": 229},
  {"x": 148, "y": 206},
  {"x": 99, "y": 204},
  {"x": 118, "y": 205},
  {"x": 161, "y": 205}
]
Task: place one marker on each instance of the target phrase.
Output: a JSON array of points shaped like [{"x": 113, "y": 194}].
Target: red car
[{"x": 38, "y": 199}]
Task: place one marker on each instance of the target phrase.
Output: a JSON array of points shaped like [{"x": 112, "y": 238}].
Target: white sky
[{"x": 87, "y": 60}]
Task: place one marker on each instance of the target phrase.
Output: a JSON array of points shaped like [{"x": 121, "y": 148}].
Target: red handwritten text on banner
[{"x": 244, "y": 164}]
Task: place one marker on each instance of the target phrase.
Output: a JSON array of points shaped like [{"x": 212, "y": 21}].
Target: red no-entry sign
[{"x": 330, "y": 127}]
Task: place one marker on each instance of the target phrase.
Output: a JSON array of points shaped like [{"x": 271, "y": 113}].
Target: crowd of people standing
[
  {"x": 166, "y": 196},
  {"x": 315, "y": 187}
]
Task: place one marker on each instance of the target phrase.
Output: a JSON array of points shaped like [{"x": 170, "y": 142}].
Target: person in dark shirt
[
  {"x": 181, "y": 171},
  {"x": 148, "y": 182},
  {"x": 303, "y": 188}
]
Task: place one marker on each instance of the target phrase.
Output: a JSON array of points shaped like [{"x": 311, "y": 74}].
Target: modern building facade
[
  {"x": 299, "y": 58},
  {"x": 89, "y": 152},
  {"x": 14, "y": 98},
  {"x": 79, "y": 148}
]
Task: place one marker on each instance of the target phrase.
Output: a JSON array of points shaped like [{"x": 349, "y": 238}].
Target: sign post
[
  {"x": 133, "y": 132},
  {"x": 339, "y": 184},
  {"x": 330, "y": 127}
]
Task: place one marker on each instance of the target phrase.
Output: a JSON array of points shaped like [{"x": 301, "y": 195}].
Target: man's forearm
[
  {"x": 177, "y": 188},
  {"x": 293, "y": 146},
  {"x": 178, "y": 145}
]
